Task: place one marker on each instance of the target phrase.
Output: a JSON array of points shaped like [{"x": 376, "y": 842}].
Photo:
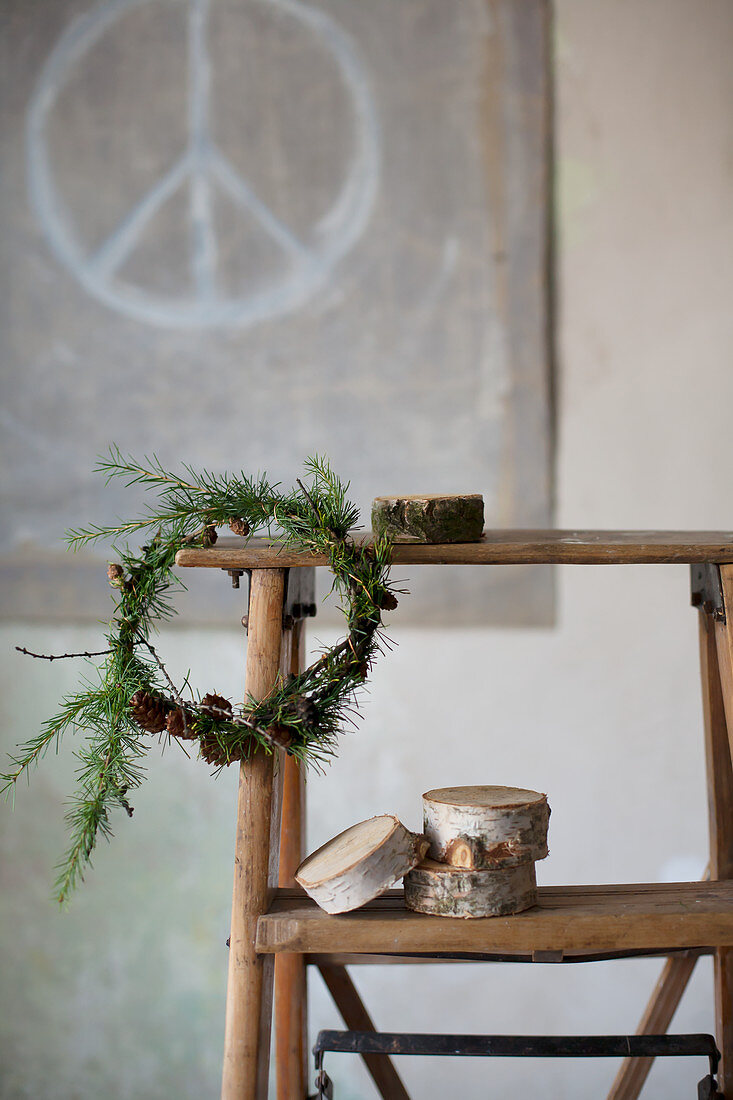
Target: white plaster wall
[{"x": 124, "y": 994}]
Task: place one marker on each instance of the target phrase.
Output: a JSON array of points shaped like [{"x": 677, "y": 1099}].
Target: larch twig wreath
[{"x": 134, "y": 696}]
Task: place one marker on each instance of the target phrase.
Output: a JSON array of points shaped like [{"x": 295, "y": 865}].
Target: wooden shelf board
[
  {"x": 515, "y": 547},
  {"x": 572, "y": 919}
]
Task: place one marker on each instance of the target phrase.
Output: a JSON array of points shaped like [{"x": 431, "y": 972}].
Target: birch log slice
[
  {"x": 360, "y": 863},
  {"x": 447, "y": 891},
  {"x": 430, "y": 518},
  {"x": 474, "y": 827}
]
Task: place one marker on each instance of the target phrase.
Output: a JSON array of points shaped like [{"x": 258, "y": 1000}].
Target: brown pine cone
[
  {"x": 115, "y": 573},
  {"x": 218, "y": 702},
  {"x": 239, "y": 527},
  {"x": 387, "y": 601},
  {"x": 212, "y": 752},
  {"x": 179, "y": 725},
  {"x": 149, "y": 711},
  {"x": 305, "y": 709},
  {"x": 280, "y": 737}
]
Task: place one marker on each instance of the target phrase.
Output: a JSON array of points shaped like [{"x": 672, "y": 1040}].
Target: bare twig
[
  {"x": 61, "y": 656},
  {"x": 163, "y": 669},
  {"x": 308, "y": 497},
  {"x": 174, "y": 690}
]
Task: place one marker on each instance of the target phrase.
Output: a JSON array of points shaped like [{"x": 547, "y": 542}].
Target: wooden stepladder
[{"x": 276, "y": 931}]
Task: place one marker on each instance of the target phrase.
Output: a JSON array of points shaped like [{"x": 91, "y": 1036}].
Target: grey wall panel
[{"x": 241, "y": 231}]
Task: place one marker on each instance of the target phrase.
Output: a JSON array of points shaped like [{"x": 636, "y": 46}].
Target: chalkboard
[{"x": 238, "y": 232}]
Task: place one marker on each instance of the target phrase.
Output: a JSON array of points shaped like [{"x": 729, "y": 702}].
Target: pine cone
[
  {"x": 387, "y": 600},
  {"x": 149, "y": 711},
  {"x": 280, "y": 736},
  {"x": 212, "y": 752},
  {"x": 218, "y": 702},
  {"x": 305, "y": 709},
  {"x": 239, "y": 527},
  {"x": 180, "y": 725},
  {"x": 115, "y": 573},
  {"x": 210, "y": 535}
]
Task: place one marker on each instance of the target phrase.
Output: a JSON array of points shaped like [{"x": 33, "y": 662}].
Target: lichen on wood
[{"x": 429, "y": 518}]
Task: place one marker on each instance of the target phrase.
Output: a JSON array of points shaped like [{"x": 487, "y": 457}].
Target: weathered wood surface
[
  {"x": 291, "y": 1020},
  {"x": 572, "y": 919},
  {"x": 506, "y": 547},
  {"x": 446, "y": 891},
  {"x": 360, "y": 863},
  {"x": 429, "y": 518},
  {"x": 716, "y": 654},
  {"x": 354, "y": 1014},
  {"x": 249, "y": 984},
  {"x": 485, "y": 826}
]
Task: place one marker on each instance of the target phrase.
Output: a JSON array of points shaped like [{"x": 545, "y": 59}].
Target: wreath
[{"x": 133, "y": 695}]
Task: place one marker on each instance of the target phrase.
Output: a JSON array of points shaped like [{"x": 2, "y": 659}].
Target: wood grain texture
[
  {"x": 716, "y": 650},
  {"x": 291, "y": 995},
  {"x": 515, "y": 547},
  {"x": 354, "y": 1014},
  {"x": 719, "y": 769},
  {"x": 723, "y": 977},
  {"x": 572, "y": 919},
  {"x": 249, "y": 985},
  {"x": 724, "y": 639},
  {"x": 360, "y": 863}
]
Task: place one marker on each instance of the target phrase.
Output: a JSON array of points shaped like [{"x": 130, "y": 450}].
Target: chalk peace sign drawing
[{"x": 205, "y": 170}]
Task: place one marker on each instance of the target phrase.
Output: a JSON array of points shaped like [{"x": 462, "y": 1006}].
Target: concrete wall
[{"x": 124, "y": 994}]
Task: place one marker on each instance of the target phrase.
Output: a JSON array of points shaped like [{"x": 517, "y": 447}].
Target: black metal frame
[{"x": 518, "y": 1046}]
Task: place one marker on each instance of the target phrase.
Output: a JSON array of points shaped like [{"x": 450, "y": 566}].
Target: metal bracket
[
  {"x": 707, "y": 1089},
  {"x": 300, "y": 594},
  {"x": 519, "y": 1046},
  {"x": 707, "y": 590},
  {"x": 324, "y": 1084}
]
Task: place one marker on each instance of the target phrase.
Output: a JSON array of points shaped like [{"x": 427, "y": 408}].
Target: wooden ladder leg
[
  {"x": 249, "y": 986},
  {"x": 717, "y": 644},
  {"x": 291, "y": 1004},
  {"x": 355, "y": 1016},
  {"x": 678, "y": 971},
  {"x": 657, "y": 1017}
]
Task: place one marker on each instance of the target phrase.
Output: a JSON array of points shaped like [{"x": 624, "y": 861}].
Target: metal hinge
[{"x": 707, "y": 590}]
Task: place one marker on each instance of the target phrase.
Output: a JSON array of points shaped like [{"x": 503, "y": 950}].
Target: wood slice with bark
[
  {"x": 360, "y": 863},
  {"x": 429, "y": 518},
  {"x": 475, "y": 827},
  {"x": 447, "y": 891}
]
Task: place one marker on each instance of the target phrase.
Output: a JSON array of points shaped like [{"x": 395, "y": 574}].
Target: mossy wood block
[{"x": 429, "y": 518}]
